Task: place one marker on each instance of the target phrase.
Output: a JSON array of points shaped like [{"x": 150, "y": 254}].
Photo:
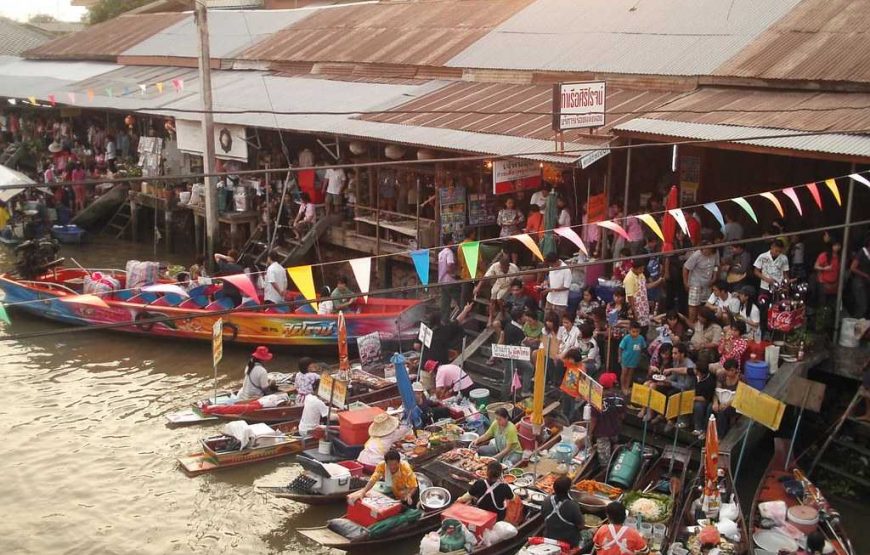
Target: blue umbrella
[{"x": 403, "y": 381}]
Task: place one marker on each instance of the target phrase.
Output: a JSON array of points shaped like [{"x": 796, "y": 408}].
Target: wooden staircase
[
  {"x": 291, "y": 252},
  {"x": 474, "y": 356},
  {"x": 11, "y": 154},
  {"x": 119, "y": 223}
]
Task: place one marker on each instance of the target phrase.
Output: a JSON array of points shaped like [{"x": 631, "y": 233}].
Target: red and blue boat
[{"x": 58, "y": 295}]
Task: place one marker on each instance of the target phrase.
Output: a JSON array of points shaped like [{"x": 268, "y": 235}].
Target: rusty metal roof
[
  {"x": 428, "y": 32},
  {"x": 819, "y": 40},
  {"x": 105, "y": 41}
]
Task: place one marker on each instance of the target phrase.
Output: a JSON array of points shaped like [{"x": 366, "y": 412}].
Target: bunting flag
[
  {"x": 652, "y": 224},
  {"x": 143, "y": 89},
  {"x": 530, "y": 244},
  {"x": 32, "y": 99},
  {"x": 72, "y": 97},
  {"x": 52, "y": 99},
  {"x": 178, "y": 85},
  {"x": 244, "y": 284},
  {"x": 832, "y": 185},
  {"x": 110, "y": 92},
  {"x": 572, "y": 236},
  {"x": 790, "y": 193},
  {"x": 814, "y": 190},
  {"x": 303, "y": 277},
  {"x": 471, "y": 253},
  {"x": 714, "y": 209},
  {"x": 90, "y": 95},
  {"x": 742, "y": 203},
  {"x": 126, "y": 91},
  {"x": 775, "y": 201},
  {"x": 3, "y": 316},
  {"x": 362, "y": 271},
  {"x": 681, "y": 219},
  {"x": 90, "y": 300},
  {"x": 615, "y": 227},
  {"x": 159, "y": 86},
  {"x": 421, "y": 264},
  {"x": 860, "y": 179}
]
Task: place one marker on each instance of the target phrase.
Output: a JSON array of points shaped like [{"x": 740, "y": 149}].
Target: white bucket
[
  {"x": 324, "y": 447},
  {"x": 184, "y": 197},
  {"x": 849, "y": 332},
  {"x": 771, "y": 357}
]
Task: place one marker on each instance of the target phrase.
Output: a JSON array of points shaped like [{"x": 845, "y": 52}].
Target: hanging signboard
[
  {"x": 515, "y": 352},
  {"x": 425, "y": 335},
  {"x": 369, "y": 347},
  {"x": 512, "y": 175},
  {"x": 758, "y": 406},
  {"x": 334, "y": 389},
  {"x": 578, "y": 105},
  {"x": 229, "y": 140},
  {"x": 593, "y": 156}
]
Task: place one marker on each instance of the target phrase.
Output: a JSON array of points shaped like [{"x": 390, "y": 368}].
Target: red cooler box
[
  {"x": 476, "y": 520},
  {"x": 353, "y": 425},
  {"x": 370, "y": 510}
]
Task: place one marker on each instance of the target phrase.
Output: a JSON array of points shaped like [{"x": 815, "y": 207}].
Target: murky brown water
[{"x": 88, "y": 465}]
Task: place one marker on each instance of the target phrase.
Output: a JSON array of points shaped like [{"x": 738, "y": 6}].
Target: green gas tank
[{"x": 626, "y": 467}]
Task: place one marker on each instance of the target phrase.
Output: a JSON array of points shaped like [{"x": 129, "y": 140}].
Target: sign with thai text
[
  {"x": 333, "y": 390},
  {"x": 511, "y": 175},
  {"x": 513, "y": 352},
  {"x": 578, "y": 105}
]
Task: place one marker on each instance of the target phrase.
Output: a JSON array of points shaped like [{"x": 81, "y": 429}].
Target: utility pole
[{"x": 212, "y": 228}]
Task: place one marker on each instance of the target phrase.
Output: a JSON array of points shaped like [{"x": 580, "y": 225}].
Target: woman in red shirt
[{"x": 828, "y": 271}]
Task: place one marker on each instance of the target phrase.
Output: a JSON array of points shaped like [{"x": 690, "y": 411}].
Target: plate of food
[
  {"x": 659, "y": 377},
  {"x": 651, "y": 507}
]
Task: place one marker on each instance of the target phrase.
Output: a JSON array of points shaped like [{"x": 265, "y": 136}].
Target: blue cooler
[{"x": 756, "y": 373}]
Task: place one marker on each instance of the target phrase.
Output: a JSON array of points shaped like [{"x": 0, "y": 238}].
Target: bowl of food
[
  {"x": 523, "y": 482},
  {"x": 591, "y": 503},
  {"x": 537, "y": 498},
  {"x": 522, "y": 493},
  {"x": 509, "y": 478},
  {"x": 516, "y": 472}
]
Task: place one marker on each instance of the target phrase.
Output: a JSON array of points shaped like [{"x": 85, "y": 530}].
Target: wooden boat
[
  {"x": 772, "y": 488},
  {"x": 166, "y": 315},
  {"x": 533, "y": 525},
  {"x": 68, "y": 234},
  {"x": 216, "y": 453}
]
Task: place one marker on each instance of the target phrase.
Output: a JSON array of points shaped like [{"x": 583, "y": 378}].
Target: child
[
  {"x": 589, "y": 349},
  {"x": 630, "y": 349},
  {"x": 607, "y": 424}
]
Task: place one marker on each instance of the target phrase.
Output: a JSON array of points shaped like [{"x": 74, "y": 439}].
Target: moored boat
[{"x": 68, "y": 234}]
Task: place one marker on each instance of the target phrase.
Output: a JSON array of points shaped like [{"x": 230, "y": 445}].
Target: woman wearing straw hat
[
  {"x": 393, "y": 477},
  {"x": 383, "y": 432},
  {"x": 257, "y": 382}
]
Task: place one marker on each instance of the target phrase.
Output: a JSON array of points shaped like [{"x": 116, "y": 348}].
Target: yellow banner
[
  {"x": 596, "y": 395},
  {"x": 583, "y": 386},
  {"x": 644, "y": 396},
  {"x": 303, "y": 277},
  {"x": 680, "y": 404},
  {"x": 332, "y": 389},
  {"x": 758, "y": 406}
]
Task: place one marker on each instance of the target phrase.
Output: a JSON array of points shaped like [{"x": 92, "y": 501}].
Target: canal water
[{"x": 88, "y": 464}]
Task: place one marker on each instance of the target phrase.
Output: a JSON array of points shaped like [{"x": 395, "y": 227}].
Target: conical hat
[{"x": 383, "y": 425}]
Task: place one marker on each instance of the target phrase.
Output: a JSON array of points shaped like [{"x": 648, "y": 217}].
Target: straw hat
[
  {"x": 262, "y": 353},
  {"x": 383, "y": 425},
  {"x": 55, "y": 147}
]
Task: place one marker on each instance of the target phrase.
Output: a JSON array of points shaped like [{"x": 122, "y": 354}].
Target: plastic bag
[
  {"x": 430, "y": 544},
  {"x": 347, "y": 528},
  {"x": 504, "y": 530},
  {"x": 514, "y": 511}
]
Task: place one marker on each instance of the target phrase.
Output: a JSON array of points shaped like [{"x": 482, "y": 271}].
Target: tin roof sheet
[
  {"x": 17, "y": 37},
  {"x": 822, "y": 40},
  {"x": 23, "y": 78},
  {"x": 425, "y": 32},
  {"x": 677, "y": 37}
]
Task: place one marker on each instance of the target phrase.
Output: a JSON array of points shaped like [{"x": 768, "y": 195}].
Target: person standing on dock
[{"x": 275, "y": 280}]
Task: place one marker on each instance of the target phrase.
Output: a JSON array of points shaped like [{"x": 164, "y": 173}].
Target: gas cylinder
[{"x": 626, "y": 467}]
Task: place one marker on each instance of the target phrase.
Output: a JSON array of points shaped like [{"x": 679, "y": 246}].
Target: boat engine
[{"x": 36, "y": 256}]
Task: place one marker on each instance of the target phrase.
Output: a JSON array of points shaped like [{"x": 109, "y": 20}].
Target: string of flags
[{"x": 142, "y": 88}]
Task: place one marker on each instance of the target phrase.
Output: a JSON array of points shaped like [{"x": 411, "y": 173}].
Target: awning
[{"x": 11, "y": 182}]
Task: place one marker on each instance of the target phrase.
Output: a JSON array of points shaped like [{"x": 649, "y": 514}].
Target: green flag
[
  {"x": 3, "y": 315},
  {"x": 471, "y": 251}
]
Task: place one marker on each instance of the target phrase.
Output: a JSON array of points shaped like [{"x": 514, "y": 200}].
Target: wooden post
[
  {"x": 134, "y": 220},
  {"x": 627, "y": 179},
  {"x": 843, "y": 258},
  {"x": 211, "y": 212},
  {"x": 167, "y": 233},
  {"x": 197, "y": 232}
]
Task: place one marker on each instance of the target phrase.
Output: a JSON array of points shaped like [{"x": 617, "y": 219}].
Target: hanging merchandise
[{"x": 452, "y": 211}]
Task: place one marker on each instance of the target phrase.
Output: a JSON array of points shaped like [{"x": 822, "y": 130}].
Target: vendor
[
  {"x": 450, "y": 379},
  {"x": 501, "y": 440},
  {"x": 384, "y": 431},
  {"x": 394, "y": 477},
  {"x": 563, "y": 519},
  {"x": 257, "y": 382},
  {"x": 314, "y": 410},
  {"x": 429, "y": 411},
  {"x": 306, "y": 379},
  {"x": 615, "y": 538},
  {"x": 491, "y": 494}
]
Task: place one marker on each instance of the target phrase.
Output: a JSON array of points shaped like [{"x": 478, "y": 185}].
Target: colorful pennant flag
[
  {"x": 32, "y": 100},
  {"x": 471, "y": 253},
  {"x": 742, "y": 203},
  {"x": 421, "y": 264},
  {"x": 90, "y": 95},
  {"x": 860, "y": 179},
  {"x": 652, "y": 224},
  {"x": 72, "y": 97},
  {"x": 110, "y": 92},
  {"x": 244, "y": 284},
  {"x": 362, "y": 271},
  {"x": 832, "y": 185},
  {"x": 90, "y": 300},
  {"x": 790, "y": 193},
  {"x": 814, "y": 190},
  {"x": 52, "y": 99},
  {"x": 3, "y": 316},
  {"x": 680, "y": 218},
  {"x": 178, "y": 85},
  {"x": 143, "y": 89},
  {"x": 530, "y": 244},
  {"x": 126, "y": 91},
  {"x": 159, "y": 86},
  {"x": 713, "y": 208},
  {"x": 303, "y": 277},
  {"x": 615, "y": 227},
  {"x": 770, "y": 196},
  {"x": 572, "y": 236}
]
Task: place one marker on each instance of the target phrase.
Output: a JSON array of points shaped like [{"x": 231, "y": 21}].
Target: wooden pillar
[
  {"x": 234, "y": 234},
  {"x": 197, "y": 232},
  {"x": 134, "y": 220},
  {"x": 167, "y": 233}
]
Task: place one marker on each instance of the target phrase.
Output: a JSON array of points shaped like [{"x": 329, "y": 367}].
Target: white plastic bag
[{"x": 430, "y": 544}]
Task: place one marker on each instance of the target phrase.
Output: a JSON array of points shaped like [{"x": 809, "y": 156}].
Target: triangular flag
[
  {"x": 775, "y": 201},
  {"x": 52, "y": 99},
  {"x": 615, "y": 227},
  {"x": 90, "y": 300},
  {"x": 790, "y": 193},
  {"x": 126, "y": 91},
  {"x": 143, "y": 89},
  {"x": 159, "y": 87},
  {"x": 178, "y": 85},
  {"x": 109, "y": 92},
  {"x": 32, "y": 99},
  {"x": 860, "y": 179},
  {"x": 572, "y": 236},
  {"x": 652, "y": 224},
  {"x": 742, "y": 203},
  {"x": 681, "y": 219},
  {"x": 516, "y": 383},
  {"x": 72, "y": 97},
  {"x": 3, "y": 316},
  {"x": 303, "y": 277},
  {"x": 90, "y": 95},
  {"x": 814, "y": 190},
  {"x": 713, "y": 208},
  {"x": 362, "y": 271},
  {"x": 471, "y": 253},
  {"x": 244, "y": 284},
  {"x": 421, "y": 264},
  {"x": 832, "y": 185},
  {"x": 525, "y": 239}
]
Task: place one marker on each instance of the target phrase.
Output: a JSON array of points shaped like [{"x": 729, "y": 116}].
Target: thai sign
[
  {"x": 578, "y": 105},
  {"x": 509, "y": 176}
]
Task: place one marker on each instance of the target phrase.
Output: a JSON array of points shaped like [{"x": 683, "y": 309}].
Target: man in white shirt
[
  {"x": 335, "y": 179},
  {"x": 540, "y": 197},
  {"x": 313, "y": 411},
  {"x": 722, "y": 301},
  {"x": 772, "y": 267},
  {"x": 275, "y": 282},
  {"x": 559, "y": 283},
  {"x": 500, "y": 284},
  {"x": 447, "y": 275}
]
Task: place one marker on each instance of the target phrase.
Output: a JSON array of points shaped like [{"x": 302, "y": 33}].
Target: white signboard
[
  {"x": 578, "y": 105},
  {"x": 229, "y": 140},
  {"x": 425, "y": 335},
  {"x": 513, "y": 174},
  {"x": 515, "y": 352},
  {"x": 593, "y": 156}
]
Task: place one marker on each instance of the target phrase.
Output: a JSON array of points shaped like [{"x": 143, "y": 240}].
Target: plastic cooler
[
  {"x": 345, "y": 450},
  {"x": 370, "y": 510},
  {"x": 353, "y": 425},
  {"x": 355, "y": 468},
  {"x": 476, "y": 520},
  {"x": 756, "y": 373},
  {"x": 329, "y": 478}
]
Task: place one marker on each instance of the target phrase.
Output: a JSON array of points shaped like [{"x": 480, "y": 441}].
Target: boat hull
[{"x": 199, "y": 463}]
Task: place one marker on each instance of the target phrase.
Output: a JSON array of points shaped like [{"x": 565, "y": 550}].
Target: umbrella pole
[
  {"x": 646, "y": 421},
  {"x": 329, "y": 408},
  {"x": 674, "y": 446},
  {"x": 513, "y": 374},
  {"x": 742, "y": 449},
  {"x": 796, "y": 426}
]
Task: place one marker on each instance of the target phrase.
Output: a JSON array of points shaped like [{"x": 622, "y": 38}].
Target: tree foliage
[
  {"x": 42, "y": 18},
  {"x": 108, "y": 9}
]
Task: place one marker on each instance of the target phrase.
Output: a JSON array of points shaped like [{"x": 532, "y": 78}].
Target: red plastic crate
[
  {"x": 476, "y": 520},
  {"x": 370, "y": 510},
  {"x": 353, "y": 425},
  {"x": 356, "y": 469}
]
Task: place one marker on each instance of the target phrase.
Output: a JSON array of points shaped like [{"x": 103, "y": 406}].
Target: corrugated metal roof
[
  {"x": 838, "y": 144},
  {"x": 674, "y": 37},
  {"x": 824, "y": 40},
  {"x": 105, "y": 41},
  {"x": 16, "y": 37},
  {"x": 22, "y": 78},
  {"x": 229, "y": 33},
  {"x": 429, "y": 32}
]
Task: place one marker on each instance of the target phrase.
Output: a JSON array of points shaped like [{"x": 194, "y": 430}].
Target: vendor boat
[
  {"x": 53, "y": 295},
  {"x": 798, "y": 495},
  {"x": 68, "y": 234},
  {"x": 532, "y": 525}
]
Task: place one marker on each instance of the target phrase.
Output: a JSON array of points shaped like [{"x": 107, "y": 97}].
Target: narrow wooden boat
[
  {"x": 68, "y": 234},
  {"x": 773, "y": 488},
  {"x": 163, "y": 315},
  {"x": 386, "y": 398},
  {"x": 533, "y": 525}
]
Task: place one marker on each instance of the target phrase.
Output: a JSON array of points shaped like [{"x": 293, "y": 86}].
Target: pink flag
[
  {"x": 244, "y": 284},
  {"x": 52, "y": 99},
  {"x": 615, "y": 227},
  {"x": 814, "y": 190},
  {"x": 178, "y": 85},
  {"x": 790, "y": 193},
  {"x": 572, "y": 236}
]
